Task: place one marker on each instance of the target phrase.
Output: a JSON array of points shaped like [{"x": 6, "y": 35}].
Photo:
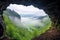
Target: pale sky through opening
[{"x": 21, "y": 9}]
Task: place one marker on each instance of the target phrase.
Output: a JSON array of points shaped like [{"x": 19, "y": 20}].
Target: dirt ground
[{"x": 51, "y": 34}]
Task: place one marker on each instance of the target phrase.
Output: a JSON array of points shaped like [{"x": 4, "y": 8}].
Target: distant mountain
[
  {"x": 41, "y": 17},
  {"x": 15, "y": 14},
  {"x": 12, "y": 13},
  {"x": 33, "y": 16}
]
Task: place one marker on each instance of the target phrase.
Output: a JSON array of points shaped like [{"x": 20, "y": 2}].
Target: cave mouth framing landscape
[
  {"x": 51, "y": 7},
  {"x": 28, "y": 18}
]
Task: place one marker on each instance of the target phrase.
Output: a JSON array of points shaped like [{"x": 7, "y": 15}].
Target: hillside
[
  {"x": 27, "y": 33},
  {"x": 11, "y": 13}
]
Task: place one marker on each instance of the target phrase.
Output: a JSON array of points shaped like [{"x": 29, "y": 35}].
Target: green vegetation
[{"x": 20, "y": 33}]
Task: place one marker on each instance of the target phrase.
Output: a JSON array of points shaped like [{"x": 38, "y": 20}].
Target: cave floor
[{"x": 51, "y": 34}]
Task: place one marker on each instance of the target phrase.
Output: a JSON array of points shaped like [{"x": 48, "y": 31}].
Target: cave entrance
[{"x": 25, "y": 22}]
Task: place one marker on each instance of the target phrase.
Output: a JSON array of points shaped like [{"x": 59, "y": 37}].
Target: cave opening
[
  {"x": 22, "y": 21},
  {"x": 51, "y": 7}
]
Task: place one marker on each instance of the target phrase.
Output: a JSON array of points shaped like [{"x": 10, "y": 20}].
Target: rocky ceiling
[{"x": 51, "y": 7}]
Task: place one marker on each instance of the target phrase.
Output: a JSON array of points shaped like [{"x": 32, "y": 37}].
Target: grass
[{"x": 17, "y": 33}]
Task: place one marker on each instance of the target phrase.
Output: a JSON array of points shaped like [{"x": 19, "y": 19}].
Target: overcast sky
[{"x": 21, "y": 9}]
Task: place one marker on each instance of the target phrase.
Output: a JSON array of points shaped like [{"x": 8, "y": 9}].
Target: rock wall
[{"x": 53, "y": 11}]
